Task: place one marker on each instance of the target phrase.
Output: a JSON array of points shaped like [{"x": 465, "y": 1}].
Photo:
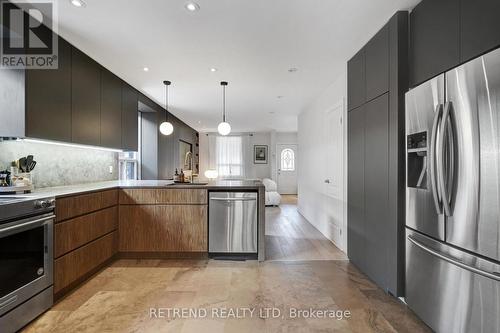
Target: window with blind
[{"x": 229, "y": 156}]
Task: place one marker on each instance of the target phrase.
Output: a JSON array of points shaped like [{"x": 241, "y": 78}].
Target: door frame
[{"x": 278, "y": 163}]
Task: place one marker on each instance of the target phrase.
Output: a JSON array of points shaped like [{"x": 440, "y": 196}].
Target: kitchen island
[{"x": 98, "y": 222}]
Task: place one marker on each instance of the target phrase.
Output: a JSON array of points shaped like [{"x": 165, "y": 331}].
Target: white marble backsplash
[{"x": 61, "y": 165}]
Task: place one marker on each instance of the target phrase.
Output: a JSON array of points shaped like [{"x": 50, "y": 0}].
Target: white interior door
[
  {"x": 287, "y": 168},
  {"x": 334, "y": 152},
  {"x": 334, "y": 175}
]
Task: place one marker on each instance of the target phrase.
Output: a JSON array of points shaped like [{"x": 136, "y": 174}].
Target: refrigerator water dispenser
[{"x": 417, "y": 160}]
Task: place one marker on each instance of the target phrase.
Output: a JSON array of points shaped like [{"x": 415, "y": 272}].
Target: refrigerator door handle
[
  {"x": 432, "y": 159},
  {"x": 445, "y": 137},
  {"x": 491, "y": 275}
]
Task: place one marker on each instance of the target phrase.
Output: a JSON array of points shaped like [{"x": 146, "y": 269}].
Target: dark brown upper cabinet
[
  {"x": 130, "y": 115},
  {"x": 111, "y": 110},
  {"x": 356, "y": 87},
  {"x": 377, "y": 64},
  {"x": 434, "y": 39},
  {"x": 86, "y": 99},
  {"x": 48, "y": 99},
  {"x": 479, "y": 27}
]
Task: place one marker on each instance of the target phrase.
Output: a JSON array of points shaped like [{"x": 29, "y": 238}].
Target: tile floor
[{"x": 140, "y": 295}]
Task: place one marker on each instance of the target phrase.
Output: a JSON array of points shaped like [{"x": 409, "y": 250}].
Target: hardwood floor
[
  {"x": 129, "y": 295},
  {"x": 289, "y": 236}
]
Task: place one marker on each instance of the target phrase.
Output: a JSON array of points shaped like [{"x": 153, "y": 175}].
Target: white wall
[
  {"x": 259, "y": 171},
  {"x": 326, "y": 213}
]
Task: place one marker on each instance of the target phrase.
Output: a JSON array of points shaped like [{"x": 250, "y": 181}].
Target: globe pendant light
[
  {"x": 224, "y": 128},
  {"x": 166, "y": 128}
]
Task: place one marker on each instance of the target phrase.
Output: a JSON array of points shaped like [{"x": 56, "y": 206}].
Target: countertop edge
[{"x": 72, "y": 190}]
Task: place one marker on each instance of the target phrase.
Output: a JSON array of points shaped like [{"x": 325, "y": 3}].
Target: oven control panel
[{"x": 45, "y": 203}]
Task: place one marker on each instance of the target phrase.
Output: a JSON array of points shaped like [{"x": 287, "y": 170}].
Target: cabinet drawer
[
  {"x": 137, "y": 196},
  {"x": 163, "y": 228},
  {"x": 181, "y": 196},
  {"x": 109, "y": 198},
  {"x": 74, "y": 265},
  {"x": 74, "y": 233},
  {"x": 162, "y": 196},
  {"x": 69, "y": 207}
]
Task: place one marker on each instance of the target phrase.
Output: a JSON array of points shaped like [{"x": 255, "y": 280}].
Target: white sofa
[{"x": 273, "y": 198}]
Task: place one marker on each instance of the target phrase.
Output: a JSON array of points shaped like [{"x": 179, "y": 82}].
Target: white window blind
[{"x": 229, "y": 156}]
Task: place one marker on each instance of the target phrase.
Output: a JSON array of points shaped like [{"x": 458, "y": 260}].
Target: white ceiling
[{"x": 252, "y": 43}]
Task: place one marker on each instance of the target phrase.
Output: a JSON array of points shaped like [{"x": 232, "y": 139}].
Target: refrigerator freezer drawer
[
  {"x": 232, "y": 222},
  {"x": 450, "y": 290}
]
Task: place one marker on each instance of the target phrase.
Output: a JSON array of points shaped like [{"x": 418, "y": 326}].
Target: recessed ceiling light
[
  {"x": 192, "y": 6},
  {"x": 146, "y": 69},
  {"x": 292, "y": 70},
  {"x": 213, "y": 69},
  {"x": 78, "y": 3}
]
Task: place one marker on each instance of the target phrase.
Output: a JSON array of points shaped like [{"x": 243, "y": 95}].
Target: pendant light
[
  {"x": 166, "y": 128},
  {"x": 224, "y": 128}
]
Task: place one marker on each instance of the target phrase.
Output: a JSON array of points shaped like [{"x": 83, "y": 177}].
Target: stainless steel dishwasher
[{"x": 232, "y": 224}]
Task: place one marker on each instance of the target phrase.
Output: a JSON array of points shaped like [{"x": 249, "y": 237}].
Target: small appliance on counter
[{"x": 20, "y": 177}]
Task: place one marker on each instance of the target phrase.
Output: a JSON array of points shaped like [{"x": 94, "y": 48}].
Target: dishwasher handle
[{"x": 233, "y": 199}]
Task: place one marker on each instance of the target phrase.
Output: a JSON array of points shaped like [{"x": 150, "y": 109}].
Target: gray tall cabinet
[{"x": 377, "y": 81}]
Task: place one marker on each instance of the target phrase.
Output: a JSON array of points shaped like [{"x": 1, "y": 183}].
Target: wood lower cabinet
[
  {"x": 91, "y": 228},
  {"x": 71, "y": 234},
  {"x": 163, "y": 228},
  {"x": 76, "y": 265},
  {"x": 85, "y": 236},
  {"x": 68, "y": 207}
]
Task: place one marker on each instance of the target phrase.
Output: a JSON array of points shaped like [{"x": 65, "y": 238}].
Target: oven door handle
[{"x": 26, "y": 225}]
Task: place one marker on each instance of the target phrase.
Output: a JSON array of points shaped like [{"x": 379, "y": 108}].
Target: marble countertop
[{"x": 61, "y": 191}]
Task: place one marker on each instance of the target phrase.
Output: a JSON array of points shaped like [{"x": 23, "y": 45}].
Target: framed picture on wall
[{"x": 260, "y": 154}]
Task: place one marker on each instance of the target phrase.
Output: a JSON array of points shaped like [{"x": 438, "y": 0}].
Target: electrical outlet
[{"x": 110, "y": 169}]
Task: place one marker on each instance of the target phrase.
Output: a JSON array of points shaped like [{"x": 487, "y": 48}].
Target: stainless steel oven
[{"x": 26, "y": 260}]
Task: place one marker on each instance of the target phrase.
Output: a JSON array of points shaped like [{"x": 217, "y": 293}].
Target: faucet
[{"x": 188, "y": 163}]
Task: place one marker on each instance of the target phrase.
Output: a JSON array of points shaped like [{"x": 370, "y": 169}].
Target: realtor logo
[{"x": 28, "y": 34}]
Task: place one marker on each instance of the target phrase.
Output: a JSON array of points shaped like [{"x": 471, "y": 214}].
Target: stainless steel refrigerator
[{"x": 453, "y": 198}]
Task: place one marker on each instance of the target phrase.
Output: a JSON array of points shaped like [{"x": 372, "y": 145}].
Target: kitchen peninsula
[{"x": 96, "y": 223}]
